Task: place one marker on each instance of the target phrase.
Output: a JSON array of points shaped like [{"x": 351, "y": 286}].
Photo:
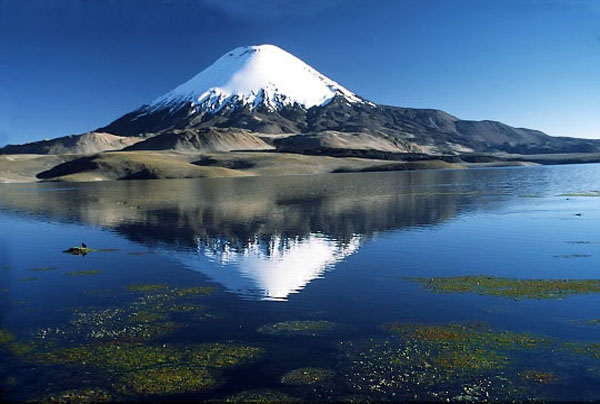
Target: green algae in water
[
  {"x": 43, "y": 269},
  {"x": 222, "y": 355},
  {"x": 307, "y": 376},
  {"x": 433, "y": 362},
  {"x": 582, "y": 348},
  {"x": 28, "y": 279},
  {"x": 582, "y": 194},
  {"x": 6, "y": 337},
  {"x": 90, "y": 272},
  {"x": 146, "y": 317},
  {"x": 147, "y": 288},
  {"x": 167, "y": 380},
  {"x": 471, "y": 335},
  {"x": 307, "y": 327},
  {"x": 510, "y": 287},
  {"x": 187, "y": 308},
  {"x": 155, "y": 369},
  {"x": 259, "y": 396},
  {"x": 197, "y": 290},
  {"x": 539, "y": 376},
  {"x": 83, "y": 395}
]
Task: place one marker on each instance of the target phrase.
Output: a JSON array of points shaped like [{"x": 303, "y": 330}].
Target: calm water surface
[{"x": 333, "y": 252}]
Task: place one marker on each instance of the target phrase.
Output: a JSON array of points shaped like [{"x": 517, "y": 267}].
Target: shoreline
[{"x": 141, "y": 165}]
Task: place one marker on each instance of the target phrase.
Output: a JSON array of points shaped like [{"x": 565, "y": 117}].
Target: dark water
[{"x": 336, "y": 248}]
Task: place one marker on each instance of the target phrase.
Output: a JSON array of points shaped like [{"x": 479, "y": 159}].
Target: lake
[{"x": 467, "y": 285}]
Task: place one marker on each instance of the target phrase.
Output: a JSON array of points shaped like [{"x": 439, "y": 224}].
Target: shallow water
[{"x": 335, "y": 250}]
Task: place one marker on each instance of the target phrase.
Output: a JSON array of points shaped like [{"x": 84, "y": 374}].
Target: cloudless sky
[{"x": 70, "y": 66}]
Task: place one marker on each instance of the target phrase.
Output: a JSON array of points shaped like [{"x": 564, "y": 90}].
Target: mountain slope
[
  {"x": 265, "y": 89},
  {"x": 87, "y": 143},
  {"x": 203, "y": 140}
]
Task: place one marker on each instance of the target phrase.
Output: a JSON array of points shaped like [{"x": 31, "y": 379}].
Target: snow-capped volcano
[{"x": 252, "y": 76}]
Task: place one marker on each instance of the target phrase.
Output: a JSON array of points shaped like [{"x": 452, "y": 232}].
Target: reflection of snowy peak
[{"x": 270, "y": 270}]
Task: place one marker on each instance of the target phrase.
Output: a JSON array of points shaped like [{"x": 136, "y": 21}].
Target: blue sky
[{"x": 71, "y": 66}]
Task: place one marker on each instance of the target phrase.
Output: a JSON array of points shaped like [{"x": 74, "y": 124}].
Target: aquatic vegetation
[
  {"x": 581, "y": 348},
  {"x": 572, "y": 256},
  {"x": 167, "y": 380},
  {"x": 115, "y": 323},
  {"x": 5, "y": 267},
  {"x": 28, "y": 279},
  {"x": 6, "y": 337},
  {"x": 538, "y": 376},
  {"x": 20, "y": 348},
  {"x": 89, "y": 272},
  {"x": 308, "y": 376},
  {"x": 510, "y": 287},
  {"x": 588, "y": 194},
  {"x": 197, "y": 290},
  {"x": 470, "y": 334},
  {"x": 432, "y": 362},
  {"x": 306, "y": 327},
  {"x": 222, "y": 355},
  {"x": 147, "y": 288},
  {"x": 9, "y": 342},
  {"x": 146, "y": 317},
  {"x": 259, "y": 396},
  {"x": 187, "y": 308},
  {"x": 42, "y": 269},
  {"x": 84, "y": 395},
  {"x": 155, "y": 369},
  {"x": 411, "y": 370}
]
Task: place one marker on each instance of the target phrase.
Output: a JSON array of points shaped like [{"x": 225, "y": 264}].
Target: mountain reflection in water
[{"x": 262, "y": 238}]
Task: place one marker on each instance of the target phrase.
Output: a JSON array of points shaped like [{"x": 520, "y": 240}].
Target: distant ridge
[
  {"x": 87, "y": 143},
  {"x": 259, "y": 97}
]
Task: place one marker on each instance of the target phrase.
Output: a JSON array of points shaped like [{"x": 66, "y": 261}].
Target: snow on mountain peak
[{"x": 255, "y": 75}]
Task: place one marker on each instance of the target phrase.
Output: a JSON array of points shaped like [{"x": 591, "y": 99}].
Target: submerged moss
[
  {"x": 582, "y": 348},
  {"x": 308, "y": 376},
  {"x": 187, "y": 308},
  {"x": 84, "y": 395},
  {"x": 432, "y": 362},
  {"x": 136, "y": 356},
  {"x": 471, "y": 335},
  {"x": 222, "y": 355},
  {"x": 20, "y": 348},
  {"x": 260, "y": 396},
  {"x": 84, "y": 272},
  {"x": 167, "y": 380},
  {"x": 145, "y": 288},
  {"x": 6, "y": 337},
  {"x": 538, "y": 376},
  {"x": 510, "y": 287},
  {"x": 42, "y": 269},
  {"x": 197, "y": 290},
  {"x": 588, "y": 193},
  {"x": 156, "y": 369},
  {"x": 146, "y": 316},
  {"x": 306, "y": 327}
]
